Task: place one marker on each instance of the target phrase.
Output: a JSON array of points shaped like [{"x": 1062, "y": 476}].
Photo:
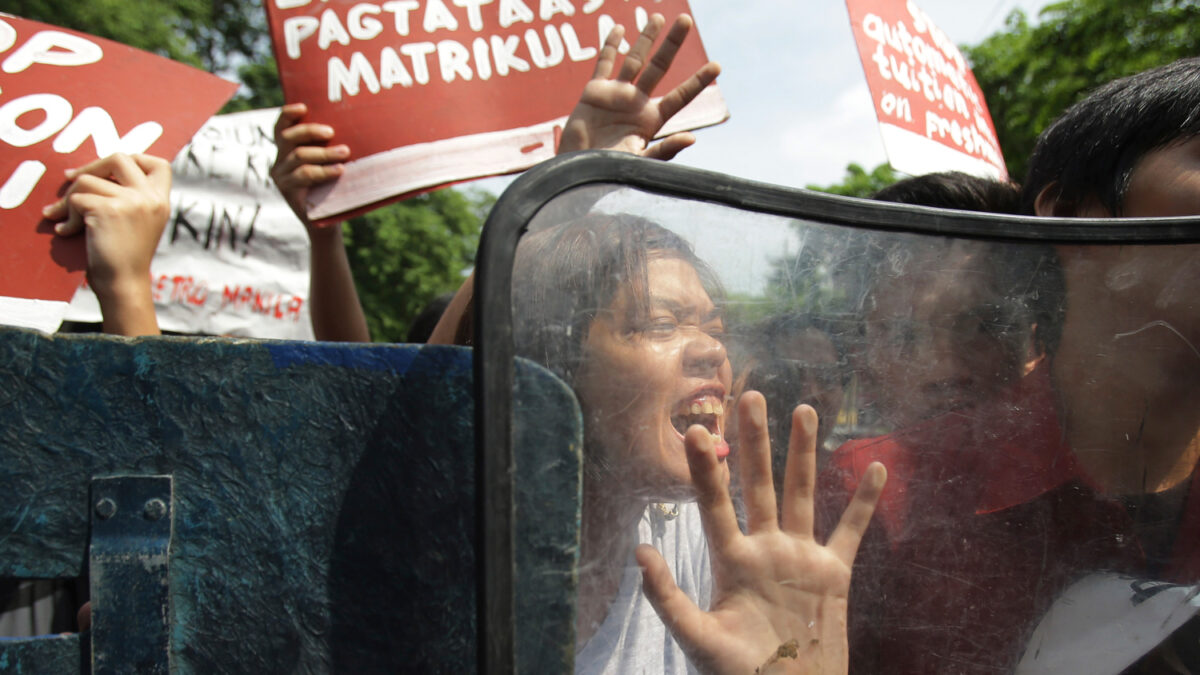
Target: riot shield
[{"x": 1028, "y": 383}]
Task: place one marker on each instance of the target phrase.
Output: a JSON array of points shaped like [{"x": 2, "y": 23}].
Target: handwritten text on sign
[
  {"x": 921, "y": 84},
  {"x": 233, "y": 259}
]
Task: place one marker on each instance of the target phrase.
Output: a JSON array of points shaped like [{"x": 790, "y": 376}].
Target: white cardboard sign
[{"x": 234, "y": 259}]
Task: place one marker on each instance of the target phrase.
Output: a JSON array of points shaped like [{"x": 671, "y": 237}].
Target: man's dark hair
[
  {"x": 1027, "y": 275},
  {"x": 422, "y": 326},
  {"x": 1093, "y": 148},
  {"x": 954, "y": 190}
]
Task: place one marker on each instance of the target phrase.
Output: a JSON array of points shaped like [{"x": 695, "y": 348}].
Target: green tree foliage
[
  {"x": 1031, "y": 73},
  {"x": 215, "y": 35},
  {"x": 260, "y": 87},
  {"x": 220, "y": 36},
  {"x": 827, "y": 275},
  {"x": 859, "y": 183},
  {"x": 404, "y": 254}
]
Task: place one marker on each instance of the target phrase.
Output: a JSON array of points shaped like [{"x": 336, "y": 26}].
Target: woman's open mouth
[{"x": 706, "y": 408}]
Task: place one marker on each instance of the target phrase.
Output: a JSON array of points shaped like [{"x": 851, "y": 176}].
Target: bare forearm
[
  {"x": 127, "y": 308},
  {"x": 337, "y": 315},
  {"x": 447, "y": 328}
]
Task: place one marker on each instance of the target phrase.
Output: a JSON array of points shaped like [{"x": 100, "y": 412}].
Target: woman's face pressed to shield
[{"x": 650, "y": 373}]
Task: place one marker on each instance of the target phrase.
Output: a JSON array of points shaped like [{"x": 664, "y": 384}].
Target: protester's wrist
[
  {"x": 123, "y": 289},
  {"x": 119, "y": 286},
  {"x": 127, "y": 307},
  {"x": 325, "y": 235}
]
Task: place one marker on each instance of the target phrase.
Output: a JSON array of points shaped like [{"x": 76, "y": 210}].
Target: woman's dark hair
[
  {"x": 565, "y": 274},
  {"x": 1093, "y": 148}
]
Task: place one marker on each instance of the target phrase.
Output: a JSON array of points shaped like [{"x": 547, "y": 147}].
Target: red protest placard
[
  {"x": 931, "y": 112},
  {"x": 67, "y": 98},
  {"x": 430, "y": 92}
]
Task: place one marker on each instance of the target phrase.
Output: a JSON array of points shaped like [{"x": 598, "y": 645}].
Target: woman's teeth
[
  {"x": 708, "y": 408},
  {"x": 708, "y": 413}
]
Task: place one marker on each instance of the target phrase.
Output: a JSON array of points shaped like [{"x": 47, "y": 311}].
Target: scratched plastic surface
[
  {"x": 324, "y": 497},
  {"x": 1036, "y": 407}
]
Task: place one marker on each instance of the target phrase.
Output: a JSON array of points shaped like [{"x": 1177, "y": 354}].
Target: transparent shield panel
[{"x": 1036, "y": 408}]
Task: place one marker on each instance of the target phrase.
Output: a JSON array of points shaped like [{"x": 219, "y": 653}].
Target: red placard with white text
[
  {"x": 430, "y": 92},
  {"x": 931, "y": 112},
  {"x": 67, "y": 98}
]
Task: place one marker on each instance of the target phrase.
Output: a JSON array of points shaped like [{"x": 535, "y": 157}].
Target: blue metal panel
[
  {"x": 58, "y": 654},
  {"x": 323, "y": 494}
]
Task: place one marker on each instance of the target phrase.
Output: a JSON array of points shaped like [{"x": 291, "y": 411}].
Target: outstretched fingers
[
  {"x": 636, "y": 58},
  {"x": 850, "y": 529},
  {"x": 608, "y": 53},
  {"x": 678, "y": 613},
  {"x": 754, "y": 460},
  {"x": 799, "y": 478},
  {"x": 676, "y": 99},
  {"x": 664, "y": 56},
  {"x": 710, "y": 479},
  {"x": 672, "y": 145}
]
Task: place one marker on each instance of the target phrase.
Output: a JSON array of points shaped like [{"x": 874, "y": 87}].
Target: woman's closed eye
[
  {"x": 666, "y": 327},
  {"x": 715, "y": 330},
  {"x": 662, "y": 326}
]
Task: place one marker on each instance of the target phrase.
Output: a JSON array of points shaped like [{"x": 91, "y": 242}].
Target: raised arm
[
  {"x": 121, "y": 203},
  {"x": 779, "y": 597},
  {"x": 618, "y": 113},
  {"x": 304, "y": 160}
]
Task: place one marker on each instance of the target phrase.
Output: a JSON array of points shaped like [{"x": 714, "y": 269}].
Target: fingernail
[
  {"x": 47, "y": 209},
  {"x": 325, "y": 130},
  {"x": 340, "y": 150},
  {"x": 70, "y": 173},
  {"x": 59, "y": 227}
]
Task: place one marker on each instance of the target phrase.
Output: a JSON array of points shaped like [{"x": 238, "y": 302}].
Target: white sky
[{"x": 791, "y": 76}]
